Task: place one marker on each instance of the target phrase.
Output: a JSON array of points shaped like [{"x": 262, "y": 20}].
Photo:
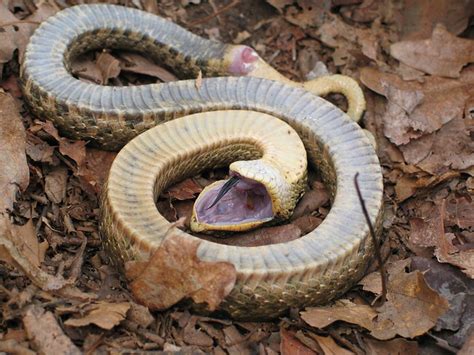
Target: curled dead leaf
[{"x": 174, "y": 271}]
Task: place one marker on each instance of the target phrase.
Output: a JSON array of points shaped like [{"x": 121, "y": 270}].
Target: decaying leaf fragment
[
  {"x": 14, "y": 173},
  {"x": 174, "y": 271},
  {"x": 103, "y": 314},
  {"x": 443, "y": 54},
  {"x": 45, "y": 333}
]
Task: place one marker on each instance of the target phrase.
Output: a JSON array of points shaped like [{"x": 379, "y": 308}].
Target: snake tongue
[{"x": 235, "y": 201}]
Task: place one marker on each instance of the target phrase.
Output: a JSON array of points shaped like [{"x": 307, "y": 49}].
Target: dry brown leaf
[
  {"x": 109, "y": 66},
  {"x": 450, "y": 148},
  {"x": 460, "y": 212},
  {"x": 103, "y": 314},
  {"x": 55, "y": 184},
  {"x": 391, "y": 347},
  {"x": 344, "y": 310},
  {"x": 45, "y": 334},
  {"x": 76, "y": 150},
  {"x": 373, "y": 283},
  {"x": 433, "y": 136},
  {"x": 311, "y": 201},
  {"x": 447, "y": 252},
  {"x": 412, "y": 308},
  {"x": 457, "y": 289},
  {"x": 95, "y": 169},
  {"x": 429, "y": 232},
  {"x": 174, "y": 272},
  {"x": 86, "y": 68},
  {"x": 10, "y": 254},
  {"x": 290, "y": 345},
  {"x": 140, "y": 315},
  {"x": 419, "y": 17},
  {"x": 330, "y": 347},
  {"x": 468, "y": 346},
  {"x": 14, "y": 172},
  {"x": 136, "y": 63},
  {"x": 193, "y": 336},
  {"x": 27, "y": 243},
  {"x": 443, "y": 54},
  {"x": 184, "y": 190},
  {"x": 12, "y": 346}
]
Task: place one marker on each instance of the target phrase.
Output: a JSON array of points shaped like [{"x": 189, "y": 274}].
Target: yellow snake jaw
[{"x": 280, "y": 172}]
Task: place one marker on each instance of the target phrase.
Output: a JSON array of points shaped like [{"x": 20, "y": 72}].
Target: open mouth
[{"x": 233, "y": 202}]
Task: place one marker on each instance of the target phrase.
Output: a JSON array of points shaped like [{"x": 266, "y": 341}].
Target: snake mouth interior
[{"x": 247, "y": 201}]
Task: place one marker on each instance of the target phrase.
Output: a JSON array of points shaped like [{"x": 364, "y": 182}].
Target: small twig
[
  {"x": 214, "y": 14},
  {"x": 383, "y": 275}
]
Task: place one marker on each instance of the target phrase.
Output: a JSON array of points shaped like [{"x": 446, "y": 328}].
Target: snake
[{"x": 241, "y": 112}]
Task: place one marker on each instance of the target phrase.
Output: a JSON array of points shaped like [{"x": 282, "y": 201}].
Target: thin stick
[
  {"x": 383, "y": 275},
  {"x": 214, "y": 14}
]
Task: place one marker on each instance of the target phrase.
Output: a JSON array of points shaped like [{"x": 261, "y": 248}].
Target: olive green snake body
[{"x": 270, "y": 279}]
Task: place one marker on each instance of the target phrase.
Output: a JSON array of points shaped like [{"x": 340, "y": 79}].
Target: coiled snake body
[{"x": 270, "y": 279}]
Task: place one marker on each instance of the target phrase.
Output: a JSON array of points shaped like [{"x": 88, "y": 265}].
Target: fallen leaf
[
  {"x": 55, "y": 184},
  {"x": 411, "y": 309},
  {"x": 345, "y": 310},
  {"x": 311, "y": 201},
  {"x": 14, "y": 174},
  {"x": 468, "y": 346},
  {"x": 447, "y": 252},
  {"x": 12, "y": 346},
  {"x": 27, "y": 243},
  {"x": 424, "y": 128},
  {"x": 390, "y": 347},
  {"x": 460, "y": 212},
  {"x": 10, "y": 254},
  {"x": 174, "y": 272},
  {"x": 76, "y": 150},
  {"x": 45, "y": 334},
  {"x": 443, "y": 54},
  {"x": 303, "y": 13},
  {"x": 140, "y": 315},
  {"x": 136, "y": 63},
  {"x": 95, "y": 169},
  {"x": 103, "y": 314},
  {"x": 109, "y": 67},
  {"x": 185, "y": 190},
  {"x": 193, "y": 336},
  {"x": 290, "y": 345},
  {"x": 330, "y": 347},
  {"x": 419, "y": 17},
  {"x": 453, "y": 285}
]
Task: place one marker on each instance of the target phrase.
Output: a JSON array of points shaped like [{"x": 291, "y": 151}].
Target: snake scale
[{"x": 226, "y": 118}]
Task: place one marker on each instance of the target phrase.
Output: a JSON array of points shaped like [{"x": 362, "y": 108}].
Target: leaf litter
[{"x": 55, "y": 281}]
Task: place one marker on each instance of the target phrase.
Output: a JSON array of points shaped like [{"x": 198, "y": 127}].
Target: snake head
[
  {"x": 243, "y": 60},
  {"x": 236, "y": 204}
]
